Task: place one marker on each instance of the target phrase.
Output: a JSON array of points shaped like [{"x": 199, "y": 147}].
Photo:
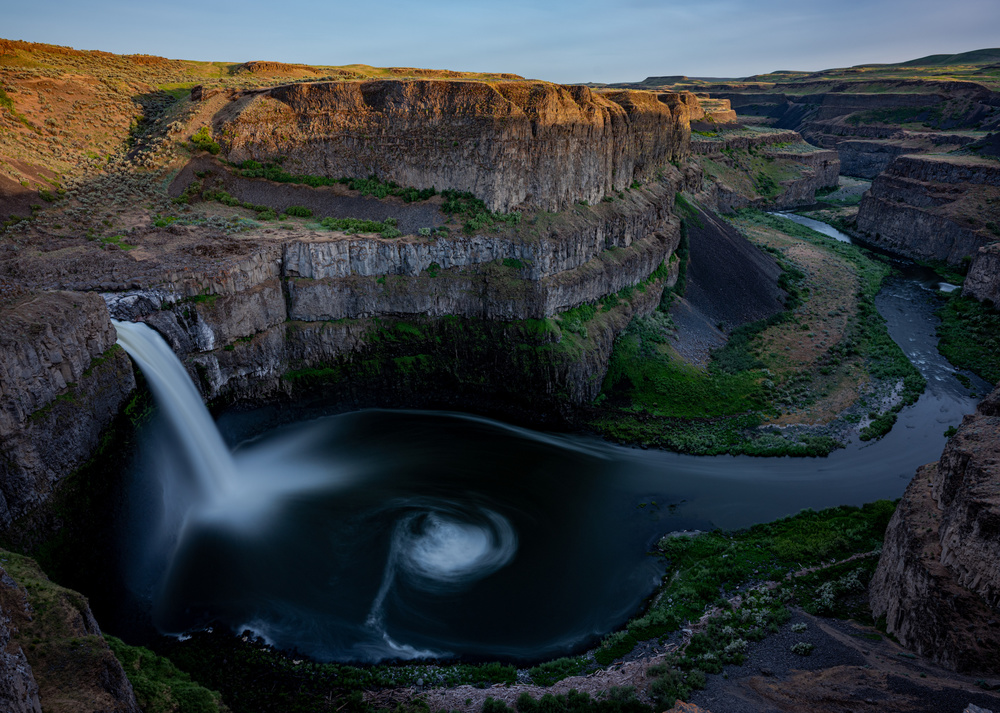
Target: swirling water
[{"x": 398, "y": 534}]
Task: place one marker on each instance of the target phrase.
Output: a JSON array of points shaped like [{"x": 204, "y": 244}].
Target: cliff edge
[
  {"x": 938, "y": 579},
  {"x": 511, "y": 144}
]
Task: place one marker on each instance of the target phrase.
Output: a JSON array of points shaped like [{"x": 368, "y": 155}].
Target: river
[{"x": 401, "y": 534}]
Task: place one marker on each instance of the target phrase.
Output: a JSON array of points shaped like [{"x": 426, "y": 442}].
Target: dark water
[{"x": 388, "y": 534}]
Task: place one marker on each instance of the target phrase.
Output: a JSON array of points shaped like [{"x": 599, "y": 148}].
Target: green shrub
[
  {"x": 552, "y": 672},
  {"x": 202, "y": 140},
  {"x": 298, "y": 211}
]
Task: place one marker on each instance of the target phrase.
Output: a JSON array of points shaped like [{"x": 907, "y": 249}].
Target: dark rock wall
[
  {"x": 62, "y": 381},
  {"x": 932, "y": 207},
  {"x": 938, "y": 578}
]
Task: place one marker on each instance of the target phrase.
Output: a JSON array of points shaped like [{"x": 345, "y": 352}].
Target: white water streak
[{"x": 210, "y": 460}]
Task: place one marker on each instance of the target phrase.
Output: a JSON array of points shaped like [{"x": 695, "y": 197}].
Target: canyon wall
[
  {"x": 864, "y": 121},
  {"x": 933, "y": 207},
  {"x": 302, "y": 301},
  {"x": 938, "y": 579},
  {"x": 515, "y": 145},
  {"x": 983, "y": 280},
  {"x": 764, "y": 168},
  {"x": 62, "y": 381}
]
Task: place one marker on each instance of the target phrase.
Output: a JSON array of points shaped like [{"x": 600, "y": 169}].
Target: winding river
[{"x": 398, "y": 534}]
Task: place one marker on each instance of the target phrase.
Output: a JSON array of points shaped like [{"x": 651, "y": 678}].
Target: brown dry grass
[{"x": 822, "y": 321}]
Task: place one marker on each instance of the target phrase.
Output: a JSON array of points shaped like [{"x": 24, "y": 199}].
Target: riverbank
[{"x": 804, "y": 381}]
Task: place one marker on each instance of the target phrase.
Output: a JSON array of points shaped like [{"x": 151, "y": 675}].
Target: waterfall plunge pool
[{"x": 380, "y": 534}]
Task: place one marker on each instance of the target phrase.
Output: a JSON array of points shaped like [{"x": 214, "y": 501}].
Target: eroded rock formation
[
  {"x": 983, "y": 280},
  {"x": 62, "y": 381},
  {"x": 933, "y": 207},
  {"x": 512, "y": 144},
  {"x": 938, "y": 579}
]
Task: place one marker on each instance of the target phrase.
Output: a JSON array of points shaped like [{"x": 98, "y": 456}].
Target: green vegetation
[
  {"x": 616, "y": 700},
  {"x": 473, "y": 213},
  {"x": 551, "y": 672},
  {"x": 298, "y": 211},
  {"x": 970, "y": 336},
  {"x": 252, "y": 677},
  {"x": 160, "y": 687},
  {"x": 371, "y": 186},
  {"x": 386, "y": 228},
  {"x": 202, "y": 140},
  {"x": 7, "y": 103},
  {"x": 752, "y": 172},
  {"x": 707, "y": 569},
  {"x": 575, "y": 320},
  {"x": 118, "y": 241},
  {"x": 651, "y": 396}
]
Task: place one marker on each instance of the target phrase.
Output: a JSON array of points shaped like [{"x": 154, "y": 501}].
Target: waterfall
[{"x": 211, "y": 464}]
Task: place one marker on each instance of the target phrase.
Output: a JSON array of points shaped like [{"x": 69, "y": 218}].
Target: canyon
[{"x": 406, "y": 238}]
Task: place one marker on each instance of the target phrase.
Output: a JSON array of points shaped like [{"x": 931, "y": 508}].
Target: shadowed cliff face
[
  {"x": 515, "y": 144},
  {"x": 62, "y": 381},
  {"x": 983, "y": 280},
  {"x": 938, "y": 581},
  {"x": 933, "y": 207}
]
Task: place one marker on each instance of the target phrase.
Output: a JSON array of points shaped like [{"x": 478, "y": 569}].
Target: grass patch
[
  {"x": 474, "y": 214},
  {"x": 160, "y": 687},
  {"x": 551, "y": 672},
  {"x": 652, "y": 397},
  {"x": 118, "y": 241},
  {"x": 970, "y": 336},
  {"x": 386, "y": 228},
  {"x": 705, "y": 570}
]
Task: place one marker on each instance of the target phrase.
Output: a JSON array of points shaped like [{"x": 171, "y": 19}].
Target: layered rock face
[
  {"x": 938, "y": 579},
  {"x": 933, "y": 207},
  {"x": 983, "y": 280},
  {"x": 62, "y": 381},
  {"x": 868, "y": 157},
  {"x": 512, "y": 144},
  {"x": 300, "y": 302},
  {"x": 763, "y": 168},
  {"x": 863, "y": 126}
]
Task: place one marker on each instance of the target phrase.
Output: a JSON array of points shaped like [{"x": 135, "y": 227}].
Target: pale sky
[{"x": 556, "y": 40}]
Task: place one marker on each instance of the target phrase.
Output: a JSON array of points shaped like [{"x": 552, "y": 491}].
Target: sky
[{"x": 557, "y": 40}]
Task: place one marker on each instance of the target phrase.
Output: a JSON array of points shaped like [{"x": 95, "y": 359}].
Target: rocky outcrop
[
  {"x": 62, "y": 381},
  {"x": 715, "y": 111},
  {"x": 983, "y": 280},
  {"x": 789, "y": 175},
  {"x": 52, "y": 654},
  {"x": 513, "y": 144},
  {"x": 933, "y": 207},
  {"x": 938, "y": 580}
]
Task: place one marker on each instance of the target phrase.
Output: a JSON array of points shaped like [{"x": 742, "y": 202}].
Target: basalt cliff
[
  {"x": 934, "y": 207},
  {"x": 937, "y": 580},
  {"x": 513, "y": 144},
  {"x": 435, "y": 311}
]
